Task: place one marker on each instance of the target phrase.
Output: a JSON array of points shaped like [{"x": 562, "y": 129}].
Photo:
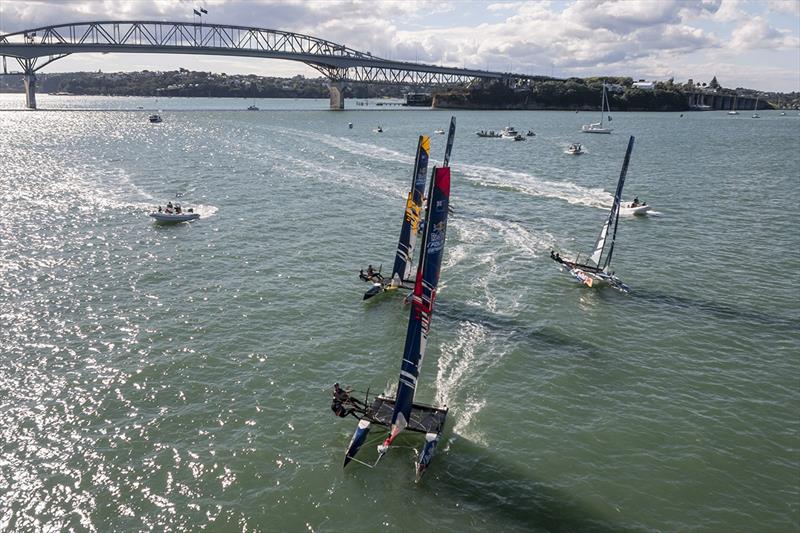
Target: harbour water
[{"x": 173, "y": 378}]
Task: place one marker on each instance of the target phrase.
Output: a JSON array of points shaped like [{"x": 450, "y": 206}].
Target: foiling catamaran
[
  {"x": 597, "y": 273},
  {"x": 402, "y": 269},
  {"x": 401, "y": 412}
]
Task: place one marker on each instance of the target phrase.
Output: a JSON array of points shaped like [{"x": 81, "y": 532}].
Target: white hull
[
  {"x": 174, "y": 217},
  {"x": 590, "y": 129},
  {"x": 626, "y": 209}
]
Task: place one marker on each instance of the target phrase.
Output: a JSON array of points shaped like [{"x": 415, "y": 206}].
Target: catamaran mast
[
  {"x": 618, "y": 200},
  {"x": 422, "y": 303}
]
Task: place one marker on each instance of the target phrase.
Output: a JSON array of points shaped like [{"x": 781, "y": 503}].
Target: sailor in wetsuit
[{"x": 340, "y": 397}]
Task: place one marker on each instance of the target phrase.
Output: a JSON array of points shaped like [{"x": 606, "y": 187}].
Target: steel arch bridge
[{"x": 35, "y": 48}]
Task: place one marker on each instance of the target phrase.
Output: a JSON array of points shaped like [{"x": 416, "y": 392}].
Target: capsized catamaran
[
  {"x": 402, "y": 269},
  {"x": 597, "y": 273},
  {"x": 401, "y": 412}
]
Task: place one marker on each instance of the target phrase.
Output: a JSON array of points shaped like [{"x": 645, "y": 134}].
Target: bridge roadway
[{"x": 36, "y": 48}]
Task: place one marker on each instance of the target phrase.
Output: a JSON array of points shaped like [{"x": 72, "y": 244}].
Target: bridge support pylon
[
  {"x": 337, "y": 95},
  {"x": 29, "y": 78}
]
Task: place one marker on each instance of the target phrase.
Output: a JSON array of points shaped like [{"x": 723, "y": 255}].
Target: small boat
[
  {"x": 733, "y": 111},
  {"x": 252, "y": 108},
  {"x": 596, "y": 273},
  {"x": 530, "y": 134},
  {"x": 490, "y": 133},
  {"x": 439, "y": 131},
  {"x": 756, "y": 115},
  {"x": 783, "y": 113},
  {"x": 634, "y": 208},
  {"x": 574, "y": 149},
  {"x": 155, "y": 119},
  {"x": 518, "y": 137},
  {"x": 597, "y": 127},
  {"x": 508, "y": 132},
  {"x": 350, "y": 125},
  {"x": 379, "y": 129},
  {"x": 173, "y": 213}
]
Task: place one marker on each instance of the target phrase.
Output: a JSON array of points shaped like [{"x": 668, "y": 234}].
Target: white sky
[{"x": 745, "y": 43}]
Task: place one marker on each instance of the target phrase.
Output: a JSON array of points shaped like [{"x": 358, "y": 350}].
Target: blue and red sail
[{"x": 423, "y": 300}]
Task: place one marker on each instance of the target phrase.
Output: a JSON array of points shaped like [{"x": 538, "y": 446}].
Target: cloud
[
  {"x": 579, "y": 37},
  {"x": 758, "y": 34}
]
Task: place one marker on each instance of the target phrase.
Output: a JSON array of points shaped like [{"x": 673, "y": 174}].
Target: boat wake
[
  {"x": 456, "y": 363},
  {"x": 484, "y": 176}
]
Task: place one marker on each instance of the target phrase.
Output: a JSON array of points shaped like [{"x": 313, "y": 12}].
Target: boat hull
[
  {"x": 595, "y": 130},
  {"x": 166, "y": 218},
  {"x": 638, "y": 210}
]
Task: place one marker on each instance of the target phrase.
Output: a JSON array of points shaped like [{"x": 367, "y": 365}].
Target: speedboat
[
  {"x": 440, "y": 131},
  {"x": 252, "y": 108},
  {"x": 508, "y": 132},
  {"x": 490, "y": 133},
  {"x": 574, "y": 149},
  {"x": 634, "y": 208},
  {"x": 155, "y": 119},
  {"x": 174, "y": 213},
  {"x": 530, "y": 134},
  {"x": 733, "y": 112},
  {"x": 379, "y": 129},
  {"x": 518, "y": 137}
]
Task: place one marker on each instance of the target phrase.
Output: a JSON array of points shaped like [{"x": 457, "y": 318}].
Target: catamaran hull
[
  {"x": 359, "y": 437},
  {"x": 597, "y": 280},
  {"x": 426, "y": 455}
]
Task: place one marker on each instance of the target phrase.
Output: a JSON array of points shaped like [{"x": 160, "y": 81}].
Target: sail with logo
[{"x": 401, "y": 412}]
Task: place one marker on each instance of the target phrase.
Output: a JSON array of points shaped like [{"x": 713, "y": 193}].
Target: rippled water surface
[{"x": 175, "y": 378}]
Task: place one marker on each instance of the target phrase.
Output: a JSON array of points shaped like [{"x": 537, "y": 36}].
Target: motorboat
[
  {"x": 574, "y": 149},
  {"x": 634, "y": 208},
  {"x": 252, "y": 108},
  {"x": 530, "y": 134},
  {"x": 490, "y": 133},
  {"x": 154, "y": 118},
  {"x": 439, "y": 131},
  {"x": 174, "y": 213},
  {"x": 379, "y": 129},
  {"x": 508, "y": 132},
  {"x": 518, "y": 137}
]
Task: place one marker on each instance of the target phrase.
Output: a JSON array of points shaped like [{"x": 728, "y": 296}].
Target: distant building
[
  {"x": 615, "y": 88},
  {"x": 645, "y": 85}
]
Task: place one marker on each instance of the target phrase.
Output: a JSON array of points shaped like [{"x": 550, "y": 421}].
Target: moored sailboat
[
  {"x": 598, "y": 127},
  {"x": 596, "y": 272}
]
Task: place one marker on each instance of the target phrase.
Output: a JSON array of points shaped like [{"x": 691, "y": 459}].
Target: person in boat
[
  {"x": 555, "y": 256},
  {"x": 636, "y": 202},
  {"x": 168, "y": 209},
  {"x": 159, "y": 209},
  {"x": 177, "y": 209}
]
